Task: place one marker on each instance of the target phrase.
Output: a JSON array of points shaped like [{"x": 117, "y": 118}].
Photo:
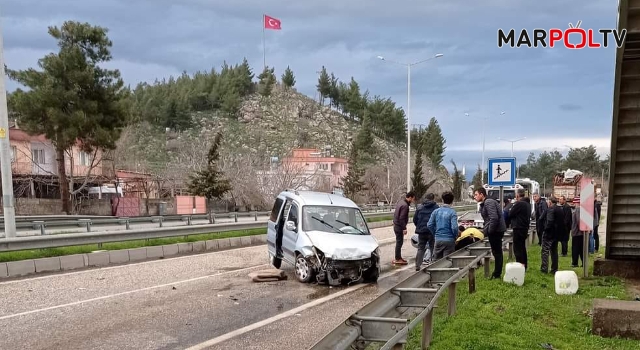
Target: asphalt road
[{"x": 180, "y": 303}]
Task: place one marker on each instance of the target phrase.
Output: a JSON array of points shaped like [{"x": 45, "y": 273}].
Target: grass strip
[{"x": 501, "y": 316}]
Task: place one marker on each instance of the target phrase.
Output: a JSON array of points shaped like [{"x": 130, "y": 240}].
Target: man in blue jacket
[
  {"x": 421, "y": 220},
  {"x": 444, "y": 224}
]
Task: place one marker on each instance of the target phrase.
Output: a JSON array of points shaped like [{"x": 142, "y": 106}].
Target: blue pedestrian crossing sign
[{"x": 502, "y": 171}]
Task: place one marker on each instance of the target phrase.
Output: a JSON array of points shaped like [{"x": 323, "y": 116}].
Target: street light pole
[
  {"x": 9, "y": 210},
  {"x": 512, "y": 142},
  {"x": 408, "y": 65}
]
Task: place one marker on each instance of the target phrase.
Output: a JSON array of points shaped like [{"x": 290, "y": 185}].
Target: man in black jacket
[
  {"x": 520, "y": 217},
  {"x": 540, "y": 211},
  {"x": 400, "y": 221},
  {"x": 566, "y": 232},
  {"x": 493, "y": 227},
  {"x": 553, "y": 230},
  {"x": 421, "y": 220}
]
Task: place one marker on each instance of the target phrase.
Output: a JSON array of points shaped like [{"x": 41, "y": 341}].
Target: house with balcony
[
  {"x": 35, "y": 168},
  {"x": 320, "y": 163}
]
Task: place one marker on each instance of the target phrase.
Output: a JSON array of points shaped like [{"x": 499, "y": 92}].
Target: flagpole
[{"x": 264, "y": 50}]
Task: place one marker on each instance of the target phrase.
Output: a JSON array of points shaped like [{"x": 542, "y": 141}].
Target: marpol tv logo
[{"x": 573, "y": 37}]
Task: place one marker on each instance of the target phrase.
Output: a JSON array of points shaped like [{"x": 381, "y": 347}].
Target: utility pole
[{"x": 5, "y": 155}]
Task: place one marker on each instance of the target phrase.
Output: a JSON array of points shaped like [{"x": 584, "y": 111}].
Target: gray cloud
[{"x": 155, "y": 39}]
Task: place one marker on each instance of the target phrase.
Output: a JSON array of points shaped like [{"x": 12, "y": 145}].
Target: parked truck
[{"x": 567, "y": 183}]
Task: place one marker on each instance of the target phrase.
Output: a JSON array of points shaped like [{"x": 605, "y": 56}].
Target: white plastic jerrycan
[
  {"x": 566, "y": 282},
  {"x": 514, "y": 273}
]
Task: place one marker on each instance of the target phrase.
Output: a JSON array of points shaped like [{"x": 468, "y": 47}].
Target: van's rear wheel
[{"x": 304, "y": 270}]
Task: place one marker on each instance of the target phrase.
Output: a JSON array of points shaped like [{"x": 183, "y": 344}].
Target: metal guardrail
[
  {"x": 89, "y": 222},
  {"x": 73, "y": 239},
  {"x": 382, "y": 321}
]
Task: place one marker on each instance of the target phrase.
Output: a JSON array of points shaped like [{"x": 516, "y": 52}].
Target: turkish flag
[{"x": 271, "y": 23}]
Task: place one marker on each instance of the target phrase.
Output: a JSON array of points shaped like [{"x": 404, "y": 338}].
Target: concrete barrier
[{"x": 616, "y": 318}]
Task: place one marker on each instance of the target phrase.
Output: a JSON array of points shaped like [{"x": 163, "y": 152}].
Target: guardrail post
[
  {"x": 86, "y": 223},
  {"x": 127, "y": 224},
  {"x": 189, "y": 220},
  {"x": 427, "y": 330},
  {"x": 40, "y": 225},
  {"x": 472, "y": 280},
  {"x": 256, "y": 215},
  {"x": 160, "y": 221},
  {"x": 487, "y": 267},
  {"x": 235, "y": 216},
  {"x": 452, "y": 299}
]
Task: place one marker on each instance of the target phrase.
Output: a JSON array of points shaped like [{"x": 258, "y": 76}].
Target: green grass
[
  {"x": 501, "y": 316},
  {"x": 82, "y": 249}
]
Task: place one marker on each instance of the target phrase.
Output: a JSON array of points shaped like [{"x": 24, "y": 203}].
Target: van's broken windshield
[{"x": 334, "y": 219}]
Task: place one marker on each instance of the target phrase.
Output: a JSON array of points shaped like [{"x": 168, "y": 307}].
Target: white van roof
[{"x": 319, "y": 198}]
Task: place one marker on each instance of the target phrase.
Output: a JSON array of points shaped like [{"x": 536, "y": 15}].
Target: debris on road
[{"x": 268, "y": 276}]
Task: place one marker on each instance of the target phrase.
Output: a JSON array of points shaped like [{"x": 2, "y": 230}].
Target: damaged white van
[{"x": 324, "y": 236}]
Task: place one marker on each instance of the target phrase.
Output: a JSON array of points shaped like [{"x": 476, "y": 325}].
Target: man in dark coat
[
  {"x": 553, "y": 229},
  {"x": 421, "y": 220},
  {"x": 520, "y": 217},
  {"x": 566, "y": 232},
  {"x": 493, "y": 227},
  {"x": 400, "y": 221},
  {"x": 540, "y": 214}
]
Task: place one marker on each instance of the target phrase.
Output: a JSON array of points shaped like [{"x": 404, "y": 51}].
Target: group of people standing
[
  {"x": 437, "y": 226},
  {"x": 557, "y": 223}
]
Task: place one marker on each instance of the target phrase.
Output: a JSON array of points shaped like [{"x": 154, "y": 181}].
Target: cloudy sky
[{"x": 556, "y": 98}]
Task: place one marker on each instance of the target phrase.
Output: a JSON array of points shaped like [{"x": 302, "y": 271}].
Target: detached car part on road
[{"x": 324, "y": 236}]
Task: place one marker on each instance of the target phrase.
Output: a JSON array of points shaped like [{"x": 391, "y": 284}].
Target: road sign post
[
  {"x": 587, "y": 193},
  {"x": 502, "y": 173}
]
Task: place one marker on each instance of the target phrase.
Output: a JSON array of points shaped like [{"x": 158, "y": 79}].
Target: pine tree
[
  {"x": 458, "y": 182},
  {"x": 210, "y": 182},
  {"x": 417, "y": 179},
  {"x": 266, "y": 82},
  {"x": 364, "y": 142},
  {"x": 434, "y": 144},
  {"x": 73, "y": 99},
  {"x": 324, "y": 84},
  {"x": 288, "y": 79},
  {"x": 352, "y": 183}
]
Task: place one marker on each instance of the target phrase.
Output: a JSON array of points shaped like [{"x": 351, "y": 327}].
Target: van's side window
[
  {"x": 293, "y": 214},
  {"x": 276, "y": 209}
]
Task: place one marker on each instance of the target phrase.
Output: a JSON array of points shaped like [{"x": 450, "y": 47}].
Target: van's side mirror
[{"x": 290, "y": 226}]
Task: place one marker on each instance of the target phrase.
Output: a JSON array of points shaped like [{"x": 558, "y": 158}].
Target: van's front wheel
[{"x": 304, "y": 270}]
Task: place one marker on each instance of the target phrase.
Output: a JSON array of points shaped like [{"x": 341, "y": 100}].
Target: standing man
[
  {"x": 596, "y": 237},
  {"x": 566, "y": 233},
  {"x": 577, "y": 236},
  {"x": 554, "y": 228},
  {"x": 494, "y": 227},
  {"x": 421, "y": 220},
  {"x": 520, "y": 216},
  {"x": 444, "y": 224},
  {"x": 400, "y": 221},
  {"x": 540, "y": 214}
]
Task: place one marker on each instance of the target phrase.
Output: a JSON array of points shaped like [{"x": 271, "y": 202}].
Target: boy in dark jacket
[
  {"x": 493, "y": 227},
  {"x": 421, "y": 220}
]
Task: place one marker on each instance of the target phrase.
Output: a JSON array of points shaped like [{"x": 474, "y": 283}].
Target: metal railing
[
  {"x": 382, "y": 321},
  {"x": 42, "y": 224},
  {"x": 73, "y": 239}
]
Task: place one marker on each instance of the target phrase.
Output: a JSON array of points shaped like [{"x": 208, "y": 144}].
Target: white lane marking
[
  {"x": 141, "y": 290},
  {"x": 193, "y": 256},
  {"x": 129, "y": 292},
  {"x": 289, "y": 313}
]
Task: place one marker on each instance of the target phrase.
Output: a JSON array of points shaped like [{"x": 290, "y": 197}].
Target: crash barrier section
[{"x": 384, "y": 321}]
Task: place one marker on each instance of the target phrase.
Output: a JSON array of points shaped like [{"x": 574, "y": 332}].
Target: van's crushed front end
[{"x": 339, "y": 259}]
